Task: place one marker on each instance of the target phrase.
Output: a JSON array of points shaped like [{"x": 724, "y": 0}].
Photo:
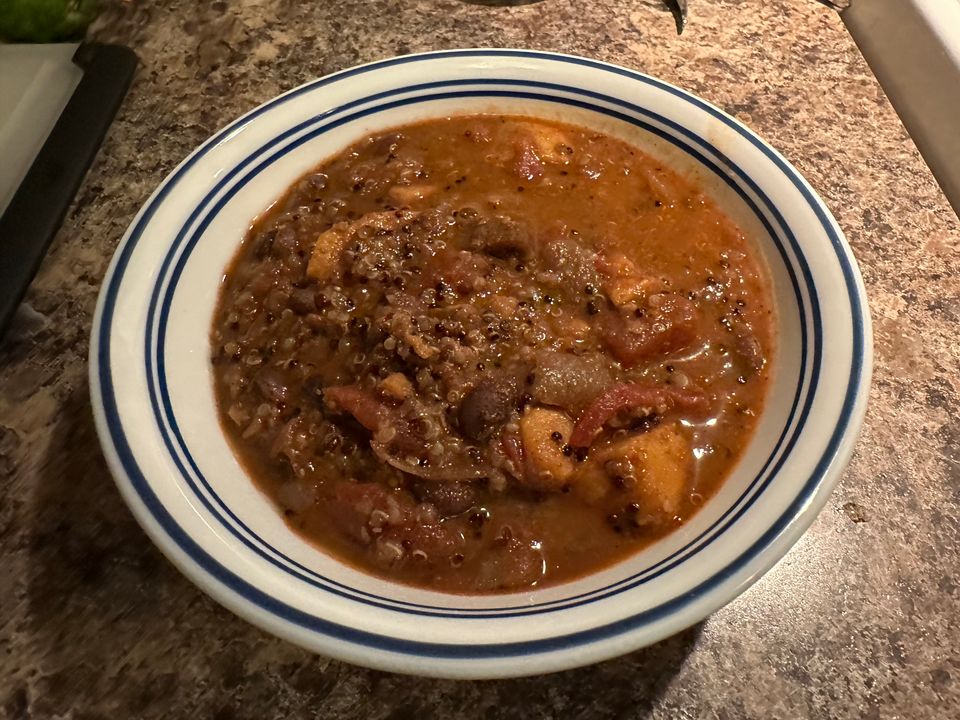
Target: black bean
[{"x": 485, "y": 409}]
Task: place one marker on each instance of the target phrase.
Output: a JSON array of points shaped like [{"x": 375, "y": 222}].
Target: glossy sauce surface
[{"x": 487, "y": 353}]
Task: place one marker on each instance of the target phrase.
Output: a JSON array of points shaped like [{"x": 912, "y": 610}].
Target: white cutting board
[{"x": 36, "y": 81}]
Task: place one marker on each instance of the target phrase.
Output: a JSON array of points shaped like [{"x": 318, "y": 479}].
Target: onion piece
[{"x": 440, "y": 473}]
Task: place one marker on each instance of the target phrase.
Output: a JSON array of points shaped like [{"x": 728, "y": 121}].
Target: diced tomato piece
[
  {"x": 658, "y": 333},
  {"x": 456, "y": 268},
  {"x": 438, "y": 541},
  {"x": 362, "y": 404},
  {"x": 658, "y": 398},
  {"x": 513, "y": 564},
  {"x": 375, "y": 415},
  {"x": 352, "y": 505}
]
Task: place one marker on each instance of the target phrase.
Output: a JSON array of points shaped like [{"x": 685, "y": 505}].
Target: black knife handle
[{"x": 39, "y": 205}]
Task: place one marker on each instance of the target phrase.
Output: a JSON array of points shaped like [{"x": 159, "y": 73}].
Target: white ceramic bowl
[{"x": 154, "y": 403}]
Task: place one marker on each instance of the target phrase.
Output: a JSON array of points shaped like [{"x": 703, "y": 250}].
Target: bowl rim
[{"x": 216, "y": 580}]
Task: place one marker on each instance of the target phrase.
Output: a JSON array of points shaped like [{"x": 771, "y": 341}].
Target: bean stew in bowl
[
  {"x": 480, "y": 363},
  {"x": 488, "y": 353}
]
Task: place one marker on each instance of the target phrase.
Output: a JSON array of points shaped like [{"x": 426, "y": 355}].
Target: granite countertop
[{"x": 860, "y": 620}]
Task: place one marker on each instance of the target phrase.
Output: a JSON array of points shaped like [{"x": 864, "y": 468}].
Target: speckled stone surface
[{"x": 860, "y": 620}]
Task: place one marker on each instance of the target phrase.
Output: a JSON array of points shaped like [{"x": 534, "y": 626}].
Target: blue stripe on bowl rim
[
  {"x": 243, "y": 590},
  {"x": 199, "y": 220}
]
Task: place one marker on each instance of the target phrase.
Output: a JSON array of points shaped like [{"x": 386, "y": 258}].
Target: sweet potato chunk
[
  {"x": 623, "y": 282},
  {"x": 327, "y": 250},
  {"x": 331, "y": 243},
  {"x": 397, "y": 386},
  {"x": 623, "y": 291},
  {"x": 664, "y": 457},
  {"x": 544, "y": 432},
  {"x": 650, "y": 469}
]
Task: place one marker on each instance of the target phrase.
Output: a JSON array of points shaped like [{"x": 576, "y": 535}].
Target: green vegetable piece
[{"x": 43, "y": 21}]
